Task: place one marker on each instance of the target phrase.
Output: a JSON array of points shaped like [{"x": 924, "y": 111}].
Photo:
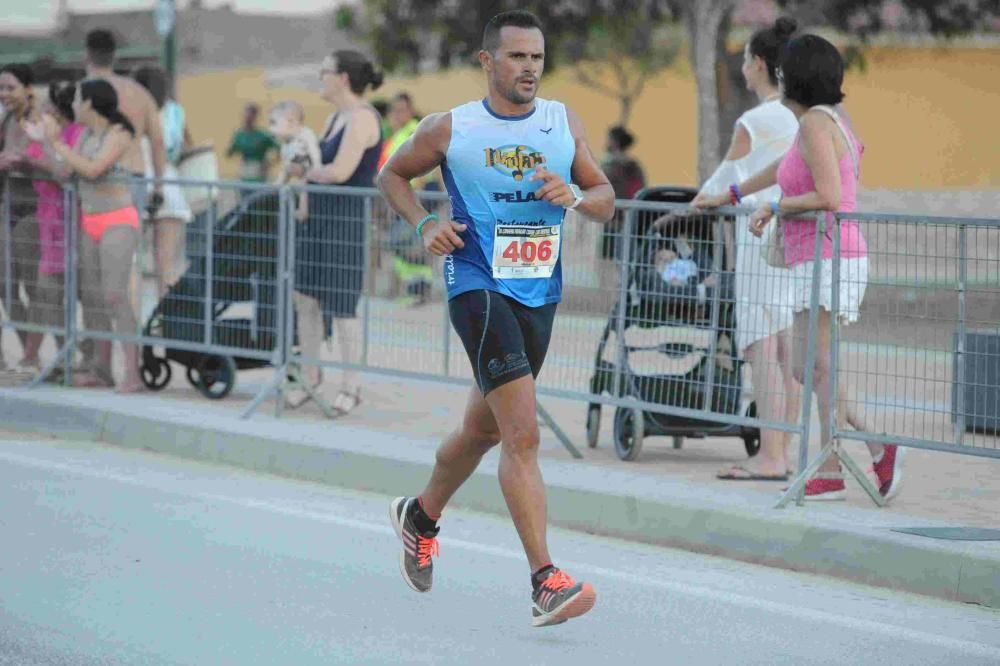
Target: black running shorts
[{"x": 505, "y": 340}]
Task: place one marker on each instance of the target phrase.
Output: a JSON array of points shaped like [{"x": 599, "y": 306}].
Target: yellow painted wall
[{"x": 930, "y": 118}]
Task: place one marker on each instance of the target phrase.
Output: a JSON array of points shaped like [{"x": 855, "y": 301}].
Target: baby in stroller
[
  {"x": 676, "y": 271},
  {"x": 676, "y": 267},
  {"x": 299, "y": 149}
]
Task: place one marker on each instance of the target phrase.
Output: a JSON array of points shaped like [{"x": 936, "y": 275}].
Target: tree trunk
[
  {"x": 625, "y": 103},
  {"x": 703, "y": 21},
  {"x": 734, "y": 98}
]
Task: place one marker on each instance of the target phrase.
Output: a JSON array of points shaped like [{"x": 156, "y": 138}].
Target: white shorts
[
  {"x": 175, "y": 206},
  {"x": 763, "y": 293},
  {"x": 853, "y": 282}
]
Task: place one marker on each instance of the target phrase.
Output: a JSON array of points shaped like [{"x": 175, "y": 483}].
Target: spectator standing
[
  {"x": 169, "y": 220},
  {"x": 109, "y": 225},
  {"x": 22, "y": 231},
  {"x": 627, "y": 179},
  {"x": 821, "y": 171},
  {"x": 763, "y": 293},
  {"x": 47, "y": 307},
  {"x": 330, "y": 245},
  {"x": 253, "y": 145}
]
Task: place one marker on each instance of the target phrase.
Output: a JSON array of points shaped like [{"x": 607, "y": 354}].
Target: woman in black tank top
[{"x": 330, "y": 245}]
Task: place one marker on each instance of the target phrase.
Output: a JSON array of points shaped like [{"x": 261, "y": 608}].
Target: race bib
[{"x": 525, "y": 251}]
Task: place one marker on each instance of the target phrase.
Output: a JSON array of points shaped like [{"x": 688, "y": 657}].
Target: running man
[{"x": 508, "y": 161}]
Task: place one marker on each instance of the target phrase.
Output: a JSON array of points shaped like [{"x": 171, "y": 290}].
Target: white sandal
[{"x": 346, "y": 402}]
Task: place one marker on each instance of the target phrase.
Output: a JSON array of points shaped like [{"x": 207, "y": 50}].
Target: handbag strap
[{"x": 847, "y": 137}]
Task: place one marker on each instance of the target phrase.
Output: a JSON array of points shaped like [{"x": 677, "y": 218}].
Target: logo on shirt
[
  {"x": 514, "y": 160},
  {"x": 513, "y": 197},
  {"x": 449, "y": 270}
]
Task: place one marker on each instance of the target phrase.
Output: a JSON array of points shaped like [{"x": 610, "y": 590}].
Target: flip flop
[
  {"x": 352, "y": 401},
  {"x": 746, "y": 475}
]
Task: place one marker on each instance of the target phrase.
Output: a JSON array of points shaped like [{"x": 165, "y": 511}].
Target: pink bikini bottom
[{"x": 96, "y": 224}]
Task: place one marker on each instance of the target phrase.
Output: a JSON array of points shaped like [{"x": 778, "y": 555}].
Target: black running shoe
[
  {"x": 560, "y": 598},
  {"x": 415, "y": 557}
]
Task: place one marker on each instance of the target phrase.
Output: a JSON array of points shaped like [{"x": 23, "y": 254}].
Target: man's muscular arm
[
  {"x": 422, "y": 152},
  {"x": 598, "y": 195}
]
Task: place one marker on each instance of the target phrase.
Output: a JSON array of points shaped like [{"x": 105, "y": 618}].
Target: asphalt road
[{"x": 115, "y": 557}]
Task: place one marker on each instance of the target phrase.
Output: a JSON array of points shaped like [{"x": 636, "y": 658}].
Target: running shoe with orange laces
[
  {"x": 418, "y": 547},
  {"x": 559, "y": 598}
]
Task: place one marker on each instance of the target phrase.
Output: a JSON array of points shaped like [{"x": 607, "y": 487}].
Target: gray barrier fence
[{"x": 670, "y": 318}]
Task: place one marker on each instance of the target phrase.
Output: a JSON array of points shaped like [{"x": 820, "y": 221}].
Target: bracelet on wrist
[
  {"x": 734, "y": 194},
  {"x": 775, "y": 210},
  {"x": 421, "y": 223}
]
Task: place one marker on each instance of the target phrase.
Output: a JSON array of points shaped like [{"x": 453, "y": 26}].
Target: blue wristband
[
  {"x": 774, "y": 209},
  {"x": 420, "y": 225}
]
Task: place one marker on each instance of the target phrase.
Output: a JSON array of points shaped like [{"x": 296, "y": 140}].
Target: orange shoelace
[
  {"x": 425, "y": 549},
  {"x": 558, "y": 582}
]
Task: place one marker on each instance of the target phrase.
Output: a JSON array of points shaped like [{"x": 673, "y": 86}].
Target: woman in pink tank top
[
  {"x": 820, "y": 172},
  {"x": 47, "y": 307}
]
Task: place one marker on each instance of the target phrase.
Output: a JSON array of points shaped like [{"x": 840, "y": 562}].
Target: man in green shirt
[{"x": 252, "y": 145}]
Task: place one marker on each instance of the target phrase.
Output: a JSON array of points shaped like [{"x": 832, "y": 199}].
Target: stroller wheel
[
  {"x": 155, "y": 372},
  {"x": 593, "y": 425},
  {"x": 629, "y": 429},
  {"x": 213, "y": 376}
]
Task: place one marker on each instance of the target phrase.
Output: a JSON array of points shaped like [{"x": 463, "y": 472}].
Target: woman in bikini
[{"x": 109, "y": 225}]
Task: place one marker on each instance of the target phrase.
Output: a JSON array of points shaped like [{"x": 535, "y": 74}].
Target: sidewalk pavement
[{"x": 668, "y": 497}]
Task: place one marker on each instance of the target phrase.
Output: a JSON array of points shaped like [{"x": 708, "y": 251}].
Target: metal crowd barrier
[{"x": 657, "y": 308}]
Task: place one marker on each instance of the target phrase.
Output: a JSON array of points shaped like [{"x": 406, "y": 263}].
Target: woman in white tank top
[{"x": 763, "y": 294}]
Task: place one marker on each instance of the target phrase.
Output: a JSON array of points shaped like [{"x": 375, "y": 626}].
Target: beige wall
[{"x": 929, "y": 118}]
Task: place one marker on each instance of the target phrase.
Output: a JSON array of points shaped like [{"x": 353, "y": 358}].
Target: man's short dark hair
[
  {"x": 101, "y": 47},
  {"x": 812, "y": 71},
  {"x": 514, "y": 19}
]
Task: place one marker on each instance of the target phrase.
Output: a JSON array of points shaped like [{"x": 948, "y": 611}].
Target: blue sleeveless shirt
[{"x": 513, "y": 241}]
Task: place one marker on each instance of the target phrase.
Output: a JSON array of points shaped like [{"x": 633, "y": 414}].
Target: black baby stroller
[
  {"x": 672, "y": 342},
  {"x": 244, "y": 268}
]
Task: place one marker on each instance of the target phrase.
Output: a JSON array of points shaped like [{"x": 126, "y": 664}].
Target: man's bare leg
[
  {"x": 460, "y": 454},
  {"x": 514, "y": 409}
]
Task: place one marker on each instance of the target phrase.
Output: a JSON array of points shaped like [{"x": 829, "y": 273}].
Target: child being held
[{"x": 299, "y": 149}]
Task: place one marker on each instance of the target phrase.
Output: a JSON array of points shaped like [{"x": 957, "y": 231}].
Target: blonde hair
[{"x": 290, "y": 109}]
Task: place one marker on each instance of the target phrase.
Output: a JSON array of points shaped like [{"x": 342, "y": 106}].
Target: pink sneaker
[
  {"x": 889, "y": 471},
  {"x": 825, "y": 489}
]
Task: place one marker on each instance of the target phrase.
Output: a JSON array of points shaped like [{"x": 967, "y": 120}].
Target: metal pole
[
  {"x": 71, "y": 216},
  {"x": 284, "y": 315},
  {"x": 209, "y": 311},
  {"x": 833, "y": 427},
  {"x": 706, "y": 404},
  {"x": 170, "y": 54},
  {"x": 797, "y": 488},
  {"x": 8, "y": 269},
  {"x": 623, "y": 287},
  {"x": 367, "y": 280},
  {"x": 963, "y": 254}
]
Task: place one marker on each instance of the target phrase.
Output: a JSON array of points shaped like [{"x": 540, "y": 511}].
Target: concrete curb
[{"x": 842, "y": 542}]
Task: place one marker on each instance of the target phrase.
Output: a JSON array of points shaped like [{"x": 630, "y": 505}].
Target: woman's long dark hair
[
  {"x": 360, "y": 71},
  {"x": 61, "y": 94},
  {"x": 104, "y": 99},
  {"x": 768, "y": 44}
]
